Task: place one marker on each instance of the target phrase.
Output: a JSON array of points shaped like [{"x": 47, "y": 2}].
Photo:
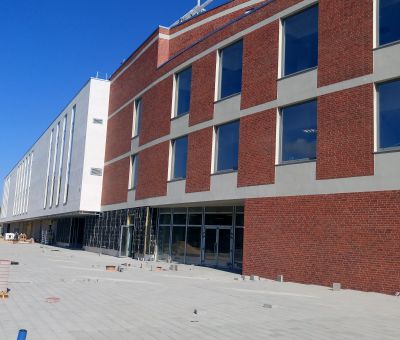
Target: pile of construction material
[{"x": 18, "y": 238}]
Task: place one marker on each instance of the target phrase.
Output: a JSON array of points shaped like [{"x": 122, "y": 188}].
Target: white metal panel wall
[{"x": 49, "y": 180}]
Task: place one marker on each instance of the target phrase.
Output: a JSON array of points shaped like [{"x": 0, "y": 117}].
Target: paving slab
[{"x": 65, "y": 294}]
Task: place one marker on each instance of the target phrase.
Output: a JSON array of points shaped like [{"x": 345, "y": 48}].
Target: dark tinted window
[
  {"x": 231, "y": 69},
  {"x": 299, "y": 131},
  {"x": 301, "y": 41},
  {"x": 180, "y": 157},
  {"x": 184, "y": 83},
  {"x": 165, "y": 219},
  {"x": 389, "y": 21},
  {"x": 134, "y": 175},
  {"x": 389, "y": 114},
  {"x": 195, "y": 219},
  {"x": 218, "y": 219},
  {"x": 180, "y": 219},
  {"x": 228, "y": 146}
]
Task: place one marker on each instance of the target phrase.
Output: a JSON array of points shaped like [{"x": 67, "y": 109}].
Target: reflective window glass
[
  {"x": 180, "y": 157},
  {"x": 231, "y": 69},
  {"x": 178, "y": 243},
  {"x": 193, "y": 246},
  {"x": 183, "y": 85},
  {"x": 301, "y": 41},
  {"x": 218, "y": 219},
  {"x": 389, "y": 114},
  {"x": 299, "y": 131},
  {"x": 137, "y": 120},
  {"x": 389, "y": 22},
  {"x": 239, "y": 247},
  {"x": 180, "y": 219},
  {"x": 195, "y": 219},
  {"x": 163, "y": 242},
  {"x": 228, "y": 146},
  {"x": 165, "y": 219}
]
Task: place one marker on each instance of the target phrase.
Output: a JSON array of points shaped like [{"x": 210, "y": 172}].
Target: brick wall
[
  {"x": 119, "y": 133},
  {"x": 345, "y": 40},
  {"x": 153, "y": 172},
  {"x": 203, "y": 89},
  {"x": 260, "y": 66},
  {"x": 345, "y": 143},
  {"x": 257, "y": 149},
  {"x": 348, "y": 238},
  {"x": 199, "y": 160},
  {"x": 115, "y": 182},
  {"x": 156, "y": 111}
]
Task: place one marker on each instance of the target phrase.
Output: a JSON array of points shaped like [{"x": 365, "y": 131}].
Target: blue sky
[{"x": 49, "y": 48}]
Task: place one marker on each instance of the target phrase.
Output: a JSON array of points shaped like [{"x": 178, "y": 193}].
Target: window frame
[
  {"x": 377, "y": 27},
  {"x": 219, "y": 68},
  {"x": 133, "y": 171},
  {"x": 282, "y": 43},
  {"x": 175, "y": 100},
  {"x": 215, "y": 149},
  {"x": 279, "y": 137},
  {"x": 137, "y": 112},
  {"x": 377, "y": 114},
  {"x": 171, "y": 176}
]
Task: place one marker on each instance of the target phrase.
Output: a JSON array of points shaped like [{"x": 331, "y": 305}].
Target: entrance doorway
[{"x": 218, "y": 247}]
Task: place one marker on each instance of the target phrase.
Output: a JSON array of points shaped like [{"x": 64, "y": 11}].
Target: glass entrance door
[
  {"x": 126, "y": 241},
  {"x": 217, "y": 247}
]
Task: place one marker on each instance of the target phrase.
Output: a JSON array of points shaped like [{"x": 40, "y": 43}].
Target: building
[
  {"x": 59, "y": 180},
  {"x": 262, "y": 137}
]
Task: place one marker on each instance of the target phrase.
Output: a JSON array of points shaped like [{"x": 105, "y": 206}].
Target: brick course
[
  {"x": 345, "y": 142},
  {"x": 260, "y": 66},
  {"x": 115, "y": 182},
  {"x": 156, "y": 111},
  {"x": 199, "y": 160},
  {"x": 203, "y": 89},
  {"x": 345, "y": 40},
  {"x": 348, "y": 238},
  {"x": 257, "y": 149},
  {"x": 119, "y": 133},
  {"x": 153, "y": 172}
]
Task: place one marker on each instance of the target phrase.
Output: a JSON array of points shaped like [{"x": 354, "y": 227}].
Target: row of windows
[
  {"x": 297, "y": 135},
  {"x": 299, "y": 50}
]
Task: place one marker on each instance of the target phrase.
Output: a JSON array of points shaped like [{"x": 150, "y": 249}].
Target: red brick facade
[
  {"x": 203, "y": 89},
  {"x": 153, "y": 172},
  {"x": 352, "y": 239},
  {"x": 345, "y": 40},
  {"x": 260, "y": 66},
  {"x": 156, "y": 112},
  {"x": 257, "y": 149},
  {"x": 199, "y": 161},
  {"x": 119, "y": 133},
  {"x": 345, "y": 142},
  {"x": 115, "y": 182}
]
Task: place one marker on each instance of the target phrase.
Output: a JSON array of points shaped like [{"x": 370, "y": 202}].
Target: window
[
  {"x": 231, "y": 70},
  {"x": 137, "y": 117},
  {"x": 134, "y": 172},
  {"x": 299, "y": 132},
  {"x": 183, "y": 90},
  {"x": 389, "y": 24},
  {"x": 227, "y": 146},
  {"x": 389, "y": 115},
  {"x": 179, "y": 158},
  {"x": 301, "y": 41}
]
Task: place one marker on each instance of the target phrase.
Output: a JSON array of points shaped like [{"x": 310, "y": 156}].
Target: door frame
[{"x": 231, "y": 245}]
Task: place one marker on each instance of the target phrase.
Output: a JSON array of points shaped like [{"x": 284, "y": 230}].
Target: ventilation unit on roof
[{"x": 197, "y": 10}]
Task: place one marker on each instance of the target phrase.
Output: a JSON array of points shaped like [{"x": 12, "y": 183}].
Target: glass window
[
  {"x": 195, "y": 219},
  {"x": 239, "y": 247},
  {"x": 193, "y": 245},
  {"x": 178, "y": 243},
  {"x": 389, "y": 114},
  {"x": 163, "y": 242},
  {"x": 183, "y": 86},
  {"x": 137, "y": 117},
  {"x": 299, "y": 131},
  {"x": 179, "y": 160},
  {"x": 301, "y": 41},
  {"x": 227, "y": 146},
  {"x": 239, "y": 220},
  {"x": 165, "y": 219},
  {"x": 389, "y": 24},
  {"x": 218, "y": 219},
  {"x": 231, "y": 69},
  {"x": 134, "y": 171},
  {"x": 180, "y": 219}
]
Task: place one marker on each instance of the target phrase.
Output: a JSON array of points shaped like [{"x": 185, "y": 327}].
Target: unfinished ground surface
[{"x": 144, "y": 304}]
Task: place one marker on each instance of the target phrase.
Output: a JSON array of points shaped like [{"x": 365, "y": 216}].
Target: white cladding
[{"x": 56, "y": 176}]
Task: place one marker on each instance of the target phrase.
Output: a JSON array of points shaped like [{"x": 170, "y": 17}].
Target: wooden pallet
[{"x": 3, "y": 295}]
